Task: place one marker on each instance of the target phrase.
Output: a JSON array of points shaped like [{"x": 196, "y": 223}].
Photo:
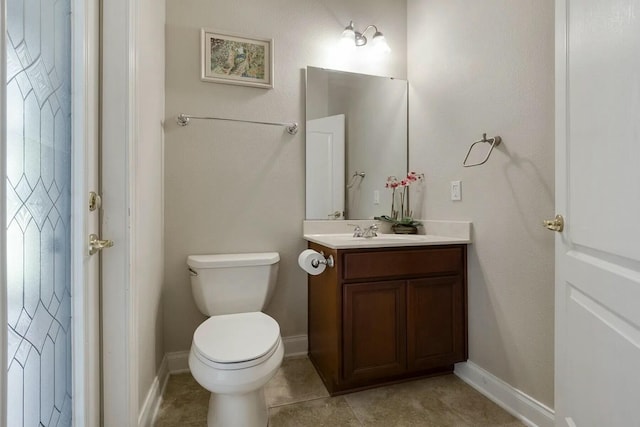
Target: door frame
[
  {"x": 85, "y": 290},
  {"x": 3, "y": 219},
  {"x": 120, "y": 405},
  {"x": 561, "y": 196}
]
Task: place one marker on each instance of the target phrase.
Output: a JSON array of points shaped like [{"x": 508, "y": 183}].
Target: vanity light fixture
[{"x": 351, "y": 37}]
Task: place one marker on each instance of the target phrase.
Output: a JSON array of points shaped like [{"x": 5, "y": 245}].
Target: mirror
[{"x": 356, "y": 138}]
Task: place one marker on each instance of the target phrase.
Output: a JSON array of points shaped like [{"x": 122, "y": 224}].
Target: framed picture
[{"x": 233, "y": 59}]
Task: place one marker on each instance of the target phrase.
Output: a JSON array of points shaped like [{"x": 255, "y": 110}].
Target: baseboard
[
  {"x": 178, "y": 361},
  {"x": 520, "y": 405},
  {"x": 152, "y": 403},
  {"x": 294, "y": 346}
]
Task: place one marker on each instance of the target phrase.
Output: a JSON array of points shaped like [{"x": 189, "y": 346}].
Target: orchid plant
[{"x": 404, "y": 215}]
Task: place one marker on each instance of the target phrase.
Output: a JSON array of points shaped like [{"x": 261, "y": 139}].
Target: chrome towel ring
[{"x": 495, "y": 141}]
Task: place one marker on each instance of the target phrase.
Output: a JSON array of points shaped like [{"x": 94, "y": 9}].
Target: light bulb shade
[
  {"x": 347, "y": 41},
  {"x": 349, "y": 34},
  {"x": 379, "y": 43}
]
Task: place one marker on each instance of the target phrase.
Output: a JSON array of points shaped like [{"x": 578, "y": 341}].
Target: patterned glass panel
[{"x": 39, "y": 212}]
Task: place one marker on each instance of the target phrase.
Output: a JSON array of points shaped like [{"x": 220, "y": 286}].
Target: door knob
[
  {"x": 556, "y": 224},
  {"x": 96, "y": 244}
]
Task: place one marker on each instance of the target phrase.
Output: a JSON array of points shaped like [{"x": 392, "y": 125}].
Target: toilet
[{"x": 238, "y": 349}]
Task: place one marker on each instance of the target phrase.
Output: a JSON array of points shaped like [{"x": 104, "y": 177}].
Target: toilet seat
[{"x": 236, "y": 341}]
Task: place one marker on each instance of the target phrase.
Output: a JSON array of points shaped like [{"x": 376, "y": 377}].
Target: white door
[
  {"x": 325, "y": 153},
  {"x": 598, "y": 192},
  {"x": 51, "y": 93}
]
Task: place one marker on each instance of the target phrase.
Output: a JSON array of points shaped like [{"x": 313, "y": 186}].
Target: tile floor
[{"x": 297, "y": 398}]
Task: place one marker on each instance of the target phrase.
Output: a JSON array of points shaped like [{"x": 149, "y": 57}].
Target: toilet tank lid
[{"x": 232, "y": 260}]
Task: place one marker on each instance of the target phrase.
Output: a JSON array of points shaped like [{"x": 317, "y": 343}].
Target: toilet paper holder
[{"x": 328, "y": 261}]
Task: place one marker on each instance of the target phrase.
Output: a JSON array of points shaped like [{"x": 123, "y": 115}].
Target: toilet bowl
[{"x": 233, "y": 355}]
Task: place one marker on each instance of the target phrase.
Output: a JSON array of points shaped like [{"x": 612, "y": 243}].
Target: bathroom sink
[{"x": 345, "y": 241}]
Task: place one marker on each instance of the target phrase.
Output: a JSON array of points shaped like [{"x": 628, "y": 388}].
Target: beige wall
[
  {"x": 148, "y": 192},
  {"x": 479, "y": 67},
  {"x": 234, "y": 187}
]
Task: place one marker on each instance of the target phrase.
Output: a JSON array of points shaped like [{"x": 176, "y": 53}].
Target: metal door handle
[
  {"x": 556, "y": 224},
  {"x": 95, "y": 244},
  {"x": 335, "y": 215}
]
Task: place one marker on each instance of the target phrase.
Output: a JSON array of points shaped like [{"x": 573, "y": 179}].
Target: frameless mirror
[{"x": 356, "y": 138}]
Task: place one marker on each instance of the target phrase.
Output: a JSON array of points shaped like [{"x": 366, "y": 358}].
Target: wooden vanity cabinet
[
  {"x": 387, "y": 314},
  {"x": 374, "y": 330}
]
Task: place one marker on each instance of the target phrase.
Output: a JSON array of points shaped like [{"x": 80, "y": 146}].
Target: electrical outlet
[
  {"x": 456, "y": 190},
  {"x": 376, "y": 197}
]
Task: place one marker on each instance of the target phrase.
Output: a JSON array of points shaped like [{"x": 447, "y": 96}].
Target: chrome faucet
[
  {"x": 367, "y": 233},
  {"x": 370, "y": 231},
  {"x": 357, "y": 231}
]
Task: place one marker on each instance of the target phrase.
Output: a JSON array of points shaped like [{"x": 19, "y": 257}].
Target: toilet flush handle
[{"x": 192, "y": 272}]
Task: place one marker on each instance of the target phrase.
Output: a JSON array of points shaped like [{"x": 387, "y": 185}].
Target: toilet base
[
  {"x": 237, "y": 395},
  {"x": 238, "y": 410}
]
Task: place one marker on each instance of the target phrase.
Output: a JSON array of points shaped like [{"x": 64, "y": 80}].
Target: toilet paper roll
[{"x": 308, "y": 258}]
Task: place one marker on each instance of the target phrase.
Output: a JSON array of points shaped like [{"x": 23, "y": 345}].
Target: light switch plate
[{"x": 456, "y": 190}]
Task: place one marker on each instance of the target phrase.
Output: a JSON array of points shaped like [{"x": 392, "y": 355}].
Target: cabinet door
[
  {"x": 374, "y": 326},
  {"x": 436, "y": 322}
]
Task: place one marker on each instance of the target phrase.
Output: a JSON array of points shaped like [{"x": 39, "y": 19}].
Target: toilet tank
[{"x": 233, "y": 283}]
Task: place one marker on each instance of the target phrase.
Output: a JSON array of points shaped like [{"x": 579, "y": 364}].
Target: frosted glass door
[{"x": 38, "y": 212}]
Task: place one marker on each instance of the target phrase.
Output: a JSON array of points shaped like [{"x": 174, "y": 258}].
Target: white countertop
[
  {"x": 347, "y": 241},
  {"x": 333, "y": 234}
]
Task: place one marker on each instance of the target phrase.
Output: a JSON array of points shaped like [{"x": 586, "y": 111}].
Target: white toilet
[{"x": 238, "y": 349}]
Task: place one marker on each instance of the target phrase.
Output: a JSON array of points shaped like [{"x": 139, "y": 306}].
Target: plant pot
[{"x": 404, "y": 229}]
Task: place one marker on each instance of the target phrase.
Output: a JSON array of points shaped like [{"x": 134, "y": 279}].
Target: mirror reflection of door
[{"x": 325, "y": 168}]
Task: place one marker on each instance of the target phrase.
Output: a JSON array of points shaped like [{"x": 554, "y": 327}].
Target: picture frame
[{"x": 235, "y": 59}]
